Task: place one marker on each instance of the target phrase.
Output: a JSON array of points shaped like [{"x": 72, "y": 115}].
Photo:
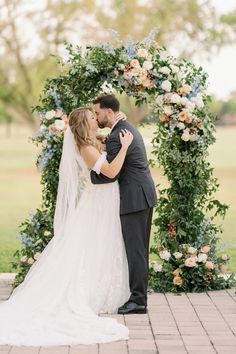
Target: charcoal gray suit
[{"x": 137, "y": 199}]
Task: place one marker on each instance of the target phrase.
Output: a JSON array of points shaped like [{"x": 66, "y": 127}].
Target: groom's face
[{"x": 102, "y": 116}]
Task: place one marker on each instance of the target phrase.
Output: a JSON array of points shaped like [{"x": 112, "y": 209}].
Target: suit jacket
[{"x": 137, "y": 189}]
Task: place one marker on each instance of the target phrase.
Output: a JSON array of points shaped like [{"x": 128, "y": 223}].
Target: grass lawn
[{"x": 21, "y": 192}]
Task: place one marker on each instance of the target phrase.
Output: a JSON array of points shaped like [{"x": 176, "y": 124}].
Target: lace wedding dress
[{"x": 82, "y": 272}]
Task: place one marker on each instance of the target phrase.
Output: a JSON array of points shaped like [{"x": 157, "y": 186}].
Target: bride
[{"x": 83, "y": 271}]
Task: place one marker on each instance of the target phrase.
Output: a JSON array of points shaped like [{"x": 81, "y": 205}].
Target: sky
[{"x": 221, "y": 66}]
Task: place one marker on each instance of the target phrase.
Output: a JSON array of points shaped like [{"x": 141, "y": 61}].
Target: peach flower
[
  {"x": 177, "y": 280},
  {"x": 177, "y": 272},
  {"x": 205, "y": 249},
  {"x": 183, "y": 116},
  {"x": 185, "y": 89},
  {"x": 164, "y": 117},
  {"x": 210, "y": 265},
  {"x": 58, "y": 113},
  {"x": 224, "y": 257},
  {"x": 143, "y": 53},
  {"x": 135, "y": 63}
]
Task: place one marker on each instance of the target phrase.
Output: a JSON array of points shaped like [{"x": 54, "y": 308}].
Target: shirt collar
[{"x": 116, "y": 123}]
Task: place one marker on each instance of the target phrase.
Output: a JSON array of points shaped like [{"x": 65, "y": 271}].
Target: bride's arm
[{"x": 90, "y": 155}]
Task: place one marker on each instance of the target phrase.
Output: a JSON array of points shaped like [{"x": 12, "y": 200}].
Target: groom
[{"x": 137, "y": 199}]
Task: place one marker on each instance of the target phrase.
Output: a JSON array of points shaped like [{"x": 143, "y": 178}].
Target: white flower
[
  {"x": 38, "y": 242},
  {"x": 166, "y": 85},
  {"x": 175, "y": 98},
  {"x": 159, "y": 100},
  {"x": 23, "y": 259},
  {"x": 193, "y": 137},
  {"x": 178, "y": 255},
  {"x": 43, "y": 128},
  {"x": 202, "y": 257},
  {"x": 47, "y": 233},
  {"x": 164, "y": 55},
  {"x": 121, "y": 66},
  {"x": 174, "y": 68},
  {"x": 165, "y": 255},
  {"x": 198, "y": 101},
  {"x": 147, "y": 65},
  {"x": 107, "y": 88},
  {"x": 135, "y": 71},
  {"x": 30, "y": 261},
  {"x": 184, "y": 101},
  {"x": 157, "y": 267},
  {"x": 135, "y": 63},
  {"x": 164, "y": 70},
  {"x": 192, "y": 250},
  {"x": 59, "y": 124},
  {"x": 167, "y": 110},
  {"x": 37, "y": 255},
  {"x": 190, "y": 106},
  {"x": 50, "y": 114},
  {"x": 181, "y": 126},
  {"x": 181, "y": 75},
  {"x": 185, "y": 136}
]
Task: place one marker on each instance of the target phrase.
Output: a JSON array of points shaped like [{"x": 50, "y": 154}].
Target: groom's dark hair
[{"x": 108, "y": 101}]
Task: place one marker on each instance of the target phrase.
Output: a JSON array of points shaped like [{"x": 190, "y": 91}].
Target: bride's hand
[
  {"x": 120, "y": 115},
  {"x": 126, "y": 138}
]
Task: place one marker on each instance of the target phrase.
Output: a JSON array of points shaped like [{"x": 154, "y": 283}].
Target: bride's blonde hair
[{"x": 79, "y": 125}]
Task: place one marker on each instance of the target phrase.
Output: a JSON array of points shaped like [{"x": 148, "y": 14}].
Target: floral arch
[{"x": 184, "y": 253}]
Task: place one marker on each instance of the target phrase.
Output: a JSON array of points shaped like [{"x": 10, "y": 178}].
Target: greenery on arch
[{"x": 184, "y": 254}]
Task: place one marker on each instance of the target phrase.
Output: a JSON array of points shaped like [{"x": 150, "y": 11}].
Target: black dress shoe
[{"x": 131, "y": 307}]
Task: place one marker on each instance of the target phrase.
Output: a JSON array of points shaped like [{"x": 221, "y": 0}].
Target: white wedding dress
[{"x": 82, "y": 272}]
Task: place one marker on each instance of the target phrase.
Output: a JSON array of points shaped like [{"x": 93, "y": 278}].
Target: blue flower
[{"x": 130, "y": 47}]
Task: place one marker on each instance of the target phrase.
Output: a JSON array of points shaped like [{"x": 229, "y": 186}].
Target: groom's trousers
[{"x": 136, "y": 228}]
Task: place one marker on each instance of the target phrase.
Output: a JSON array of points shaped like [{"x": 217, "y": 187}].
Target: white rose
[
  {"x": 164, "y": 55},
  {"x": 190, "y": 106},
  {"x": 157, "y": 267},
  {"x": 30, "y": 261},
  {"x": 47, "y": 233},
  {"x": 166, "y": 85},
  {"x": 164, "y": 70},
  {"x": 37, "y": 255},
  {"x": 178, "y": 255},
  {"x": 135, "y": 63},
  {"x": 165, "y": 255},
  {"x": 175, "y": 98},
  {"x": 59, "y": 124},
  {"x": 181, "y": 126},
  {"x": 193, "y": 137},
  {"x": 38, "y": 242},
  {"x": 198, "y": 101},
  {"x": 192, "y": 250},
  {"x": 23, "y": 259},
  {"x": 50, "y": 114},
  {"x": 174, "y": 68},
  {"x": 181, "y": 75},
  {"x": 159, "y": 100},
  {"x": 135, "y": 71},
  {"x": 167, "y": 110},
  {"x": 121, "y": 66},
  {"x": 185, "y": 136},
  {"x": 147, "y": 65},
  {"x": 202, "y": 257},
  {"x": 184, "y": 101}
]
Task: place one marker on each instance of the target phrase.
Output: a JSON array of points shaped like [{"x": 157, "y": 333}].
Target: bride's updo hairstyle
[{"x": 78, "y": 122}]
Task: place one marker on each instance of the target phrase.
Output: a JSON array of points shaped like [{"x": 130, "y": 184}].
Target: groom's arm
[{"x": 113, "y": 147}]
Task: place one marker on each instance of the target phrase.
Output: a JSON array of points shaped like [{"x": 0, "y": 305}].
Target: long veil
[{"x": 70, "y": 185}]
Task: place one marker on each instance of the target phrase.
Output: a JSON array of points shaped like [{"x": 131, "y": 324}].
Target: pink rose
[
  {"x": 142, "y": 53},
  {"x": 58, "y": 113},
  {"x": 177, "y": 280},
  {"x": 190, "y": 262}
]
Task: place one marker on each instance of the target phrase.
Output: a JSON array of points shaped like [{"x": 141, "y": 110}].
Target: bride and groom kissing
[{"x": 97, "y": 260}]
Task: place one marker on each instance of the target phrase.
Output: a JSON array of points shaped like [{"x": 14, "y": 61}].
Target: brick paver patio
[{"x": 187, "y": 323}]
